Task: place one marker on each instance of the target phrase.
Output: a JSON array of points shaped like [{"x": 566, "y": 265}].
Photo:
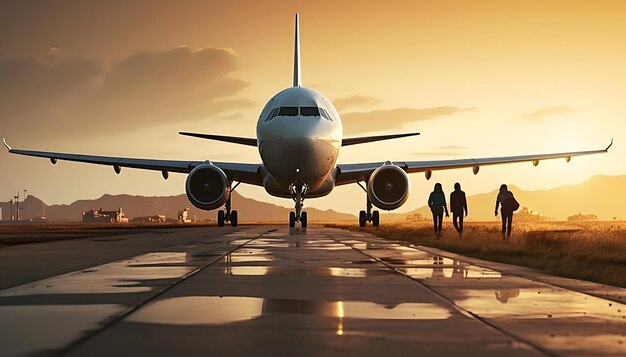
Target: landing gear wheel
[
  {"x": 220, "y": 218},
  {"x": 375, "y": 218},
  {"x": 298, "y": 192},
  {"x": 303, "y": 219},
  {"x": 362, "y": 219},
  {"x": 292, "y": 219},
  {"x": 233, "y": 218}
]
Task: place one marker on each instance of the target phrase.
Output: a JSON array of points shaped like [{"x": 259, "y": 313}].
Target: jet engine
[
  {"x": 388, "y": 187},
  {"x": 207, "y": 187}
]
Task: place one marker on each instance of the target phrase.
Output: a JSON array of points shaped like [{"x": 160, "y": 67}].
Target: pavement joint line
[
  {"x": 461, "y": 310},
  {"x": 539, "y": 280},
  {"x": 121, "y": 316},
  {"x": 470, "y": 261}
]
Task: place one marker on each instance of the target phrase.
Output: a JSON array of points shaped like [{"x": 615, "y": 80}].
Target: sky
[{"x": 475, "y": 78}]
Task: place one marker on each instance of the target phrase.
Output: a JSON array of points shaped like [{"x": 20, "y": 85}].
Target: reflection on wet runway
[
  {"x": 118, "y": 277},
  {"x": 335, "y": 292},
  {"x": 557, "y": 319},
  {"x": 53, "y": 312},
  {"x": 195, "y": 310}
]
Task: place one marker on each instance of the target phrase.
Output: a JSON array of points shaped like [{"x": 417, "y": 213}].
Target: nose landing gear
[{"x": 298, "y": 192}]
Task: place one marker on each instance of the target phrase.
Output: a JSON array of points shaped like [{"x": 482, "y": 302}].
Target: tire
[
  {"x": 362, "y": 219},
  {"x": 375, "y": 218},
  {"x": 292, "y": 219},
  {"x": 233, "y": 218},
  {"x": 303, "y": 220},
  {"x": 220, "y": 218}
]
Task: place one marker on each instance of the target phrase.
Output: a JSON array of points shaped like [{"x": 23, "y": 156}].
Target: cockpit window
[
  {"x": 294, "y": 111},
  {"x": 325, "y": 114},
  {"x": 309, "y": 111},
  {"x": 272, "y": 114},
  {"x": 288, "y": 111}
]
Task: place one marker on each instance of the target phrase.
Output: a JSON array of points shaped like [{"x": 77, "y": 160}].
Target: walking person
[
  {"x": 437, "y": 204},
  {"x": 508, "y": 205},
  {"x": 458, "y": 206}
]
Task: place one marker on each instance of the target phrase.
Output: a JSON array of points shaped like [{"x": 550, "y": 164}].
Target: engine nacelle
[
  {"x": 388, "y": 187},
  {"x": 207, "y": 187}
]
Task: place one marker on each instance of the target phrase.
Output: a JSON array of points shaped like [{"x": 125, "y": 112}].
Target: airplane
[{"x": 299, "y": 134}]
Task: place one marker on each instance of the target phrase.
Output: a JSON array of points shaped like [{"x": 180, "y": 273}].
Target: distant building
[
  {"x": 527, "y": 214},
  {"x": 414, "y": 217},
  {"x": 100, "y": 216},
  {"x": 183, "y": 216},
  {"x": 158, "y": 218},
  {"x": 583, "y": 217}
]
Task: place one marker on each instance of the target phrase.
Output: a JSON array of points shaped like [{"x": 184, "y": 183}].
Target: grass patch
[
  {"x": 594, "y": 251},
  {"x": 28, "y": 233}
]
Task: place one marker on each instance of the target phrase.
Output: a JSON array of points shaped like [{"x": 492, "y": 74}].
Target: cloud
[
  {"x": 355, "y": 100},
  {"x": 52, "y": 96},
  {"x": 392, "y": 119},
  {"x": 550, "y": 111}
]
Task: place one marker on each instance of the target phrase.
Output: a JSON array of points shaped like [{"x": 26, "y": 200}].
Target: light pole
[
  {"x": 25, "y": 215},
  {"x": 17, "y": 206}
]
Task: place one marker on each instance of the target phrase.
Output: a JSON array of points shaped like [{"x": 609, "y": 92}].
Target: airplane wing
[
  {"x": 229, "y": 139},
  {"x": 351, "y": 173},
  {"x": 370, "y": 139},
  {"x": 247, "y": 173}
]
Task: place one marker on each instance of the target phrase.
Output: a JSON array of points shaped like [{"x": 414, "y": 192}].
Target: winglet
[
  {"x": 607, "y": 148},
  {"x": 5, "y": 144},
  {"x": 296, "y": 55}
]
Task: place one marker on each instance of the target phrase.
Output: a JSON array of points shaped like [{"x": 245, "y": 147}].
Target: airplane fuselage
[{"x": 299, "y": 135}]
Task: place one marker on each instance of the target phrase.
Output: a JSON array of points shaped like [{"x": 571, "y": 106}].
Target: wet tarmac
[{"x": 265, "y": 290}]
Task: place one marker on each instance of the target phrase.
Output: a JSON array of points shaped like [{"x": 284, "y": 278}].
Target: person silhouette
[
  {"x": 437, "y": 204},
  {"x": 458, "y": 206},
  {"x": 508, "y": 203}
]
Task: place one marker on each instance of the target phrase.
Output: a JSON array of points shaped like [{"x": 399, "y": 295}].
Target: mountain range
[
  {"x": 249, "y": 210},
  {"x": 604, "y": 196}
]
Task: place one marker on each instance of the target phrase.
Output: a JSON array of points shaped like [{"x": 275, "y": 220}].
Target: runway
[{"x": 269, "y": 290}]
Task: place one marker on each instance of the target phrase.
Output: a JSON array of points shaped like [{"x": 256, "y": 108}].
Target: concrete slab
[{"x": 264, "y": 290}]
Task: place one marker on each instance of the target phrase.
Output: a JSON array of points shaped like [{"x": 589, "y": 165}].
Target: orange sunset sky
[{"x": 476, "y": 78}]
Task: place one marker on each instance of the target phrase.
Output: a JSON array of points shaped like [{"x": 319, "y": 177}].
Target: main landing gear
[
  {"x": 298, "y": 192},
  {"x": 368, "y": 215},
  {"x": 228, "y": 216}
]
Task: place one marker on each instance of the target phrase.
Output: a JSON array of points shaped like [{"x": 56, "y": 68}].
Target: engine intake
[
  {"x": 388, "y": 187},
  {"x": 207, "y": 187}
]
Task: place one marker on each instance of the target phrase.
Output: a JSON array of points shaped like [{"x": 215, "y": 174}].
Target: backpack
[{"x": 510, "y": 204}]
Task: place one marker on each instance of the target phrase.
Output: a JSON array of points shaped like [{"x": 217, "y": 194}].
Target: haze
[{"x": 480, "y": 78}]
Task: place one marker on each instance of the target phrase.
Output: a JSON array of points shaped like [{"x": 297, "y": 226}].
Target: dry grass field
[
  {"x": 594, "y": 251},
  {"x": 26, "y": 233}
]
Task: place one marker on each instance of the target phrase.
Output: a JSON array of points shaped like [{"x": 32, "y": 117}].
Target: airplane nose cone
[{"x": 299, "y": 137}]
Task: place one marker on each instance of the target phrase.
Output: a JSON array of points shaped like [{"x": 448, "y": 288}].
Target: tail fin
[{"x": 296, "y": 55}]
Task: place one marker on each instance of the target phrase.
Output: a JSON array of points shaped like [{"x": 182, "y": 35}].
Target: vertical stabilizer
[{"x": 296, "y": 54}]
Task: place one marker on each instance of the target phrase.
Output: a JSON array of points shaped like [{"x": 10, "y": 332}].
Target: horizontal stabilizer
[
  {"x": 369, "y": 139},
  {"x": 229, "y": 139}
]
